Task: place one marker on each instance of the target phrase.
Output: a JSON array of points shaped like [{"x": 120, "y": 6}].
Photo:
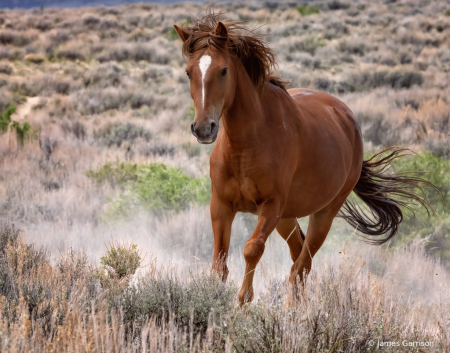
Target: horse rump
[{"x": 385, "y": 194}]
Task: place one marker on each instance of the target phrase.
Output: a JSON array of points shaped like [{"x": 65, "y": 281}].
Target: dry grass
[
  {"x": 351, "y": 301},
  {"x": 107, "y": 84}
]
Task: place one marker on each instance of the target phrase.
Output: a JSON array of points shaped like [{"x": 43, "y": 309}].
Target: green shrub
[
  {"x": 121, "y": 260},
  {"x": 118, "y": 265},
  {"x": 306, "y": 10},
  {"x": 447, "y": 13},
  {"x": 23, "y": 130},
  {"x": 436, "y": 170},
  {"x": 156, "y": 186},
  {"x": 5, "y": 118},
  {"x": 159, "y": 186}
]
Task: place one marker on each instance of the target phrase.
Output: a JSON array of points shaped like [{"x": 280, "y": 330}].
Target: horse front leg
[
  {"x": 254, "y": 248},
  {"x": 221, "y": 218}
]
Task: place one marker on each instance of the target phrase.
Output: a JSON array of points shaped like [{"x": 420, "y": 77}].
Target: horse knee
[{"x": 253, "y": 250}]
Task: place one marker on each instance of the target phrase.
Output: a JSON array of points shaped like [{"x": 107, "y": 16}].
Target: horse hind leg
[
  {"x": 318, "y": 228},
  {"x": 290, "y": 231}
]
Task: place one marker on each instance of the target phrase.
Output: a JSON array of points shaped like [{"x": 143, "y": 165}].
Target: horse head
[{"x": 210, "y": 80}]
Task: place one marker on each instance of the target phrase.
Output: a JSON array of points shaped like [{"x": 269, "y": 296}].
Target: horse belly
[{"x": 314, "y": 191}]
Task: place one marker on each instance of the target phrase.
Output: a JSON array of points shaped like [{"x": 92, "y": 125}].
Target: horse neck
[{"x": 243, "y": 117}]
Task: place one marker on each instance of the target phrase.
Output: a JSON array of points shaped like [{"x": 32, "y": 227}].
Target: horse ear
[
  {"x": 183, "y": 34},
  {"x": 221, "y": 30}
]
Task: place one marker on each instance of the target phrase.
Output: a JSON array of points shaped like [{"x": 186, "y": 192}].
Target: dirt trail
[{"x": 24, "y": 109}]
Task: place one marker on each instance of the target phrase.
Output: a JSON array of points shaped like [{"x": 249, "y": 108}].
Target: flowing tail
[{"x": 385, "y": 194}]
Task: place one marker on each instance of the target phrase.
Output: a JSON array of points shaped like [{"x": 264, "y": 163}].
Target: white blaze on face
[{"x": 204, "y": 63}]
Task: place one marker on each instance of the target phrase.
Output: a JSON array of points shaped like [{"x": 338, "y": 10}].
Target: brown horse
[{"x": 281, "y": 154}]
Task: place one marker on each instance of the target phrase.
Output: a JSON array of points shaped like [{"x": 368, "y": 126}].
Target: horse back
[{"x": 327, "y": 116}]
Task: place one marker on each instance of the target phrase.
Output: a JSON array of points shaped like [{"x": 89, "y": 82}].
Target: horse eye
[{"x": 224, "y": 71}]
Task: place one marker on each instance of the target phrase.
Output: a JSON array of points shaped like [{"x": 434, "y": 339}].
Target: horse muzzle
[{"x": 205, "y": 133}]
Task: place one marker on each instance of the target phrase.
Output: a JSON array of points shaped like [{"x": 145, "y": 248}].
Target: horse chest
[
  {"x": 250, "y": 190},
  {"x": 241, "y": 188}
]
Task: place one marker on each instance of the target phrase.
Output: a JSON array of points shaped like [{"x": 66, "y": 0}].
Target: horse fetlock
[
  {"x": 253, "y": 250},
  {"x": 299, "y": 273},
  {"x": 225, "y": 272},
  {"x": 293, "y": 276},
  {"x": 221, "y": 270},
  {"x": 245, "y": 295}
]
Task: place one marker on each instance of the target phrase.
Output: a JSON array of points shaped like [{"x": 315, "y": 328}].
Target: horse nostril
[
  {"x": 192, "y": 127},
  {"x": 213, "y": 126}
]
